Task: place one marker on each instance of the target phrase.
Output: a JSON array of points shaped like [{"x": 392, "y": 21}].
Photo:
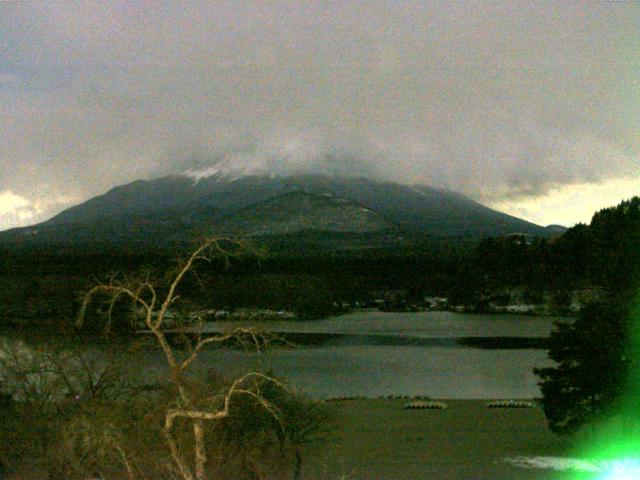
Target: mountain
[
  {"x": 300, "y": 211},
  {"x": 555, "y": 230},
  {"x": 170, "y": 209}
]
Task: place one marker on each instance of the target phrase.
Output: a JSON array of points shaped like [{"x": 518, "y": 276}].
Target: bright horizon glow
[
  {"x": 22, "y": 211},
  {"x": 15, "y": 210},
  {"x": 571, "y": 204},
  {"x": 10, "y": 202}
]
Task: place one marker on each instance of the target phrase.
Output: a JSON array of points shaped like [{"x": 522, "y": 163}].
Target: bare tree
[
  {"x": 155, "y": 301},
  {"x": 64, "y": 408}
]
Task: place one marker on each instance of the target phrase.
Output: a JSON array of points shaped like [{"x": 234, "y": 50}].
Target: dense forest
[
  {"x": 43, "y": 284},
  {"x": 605, "y": 253}
]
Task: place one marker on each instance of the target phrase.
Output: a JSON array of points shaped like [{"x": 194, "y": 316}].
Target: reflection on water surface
[{"x": 424, "y": 354}]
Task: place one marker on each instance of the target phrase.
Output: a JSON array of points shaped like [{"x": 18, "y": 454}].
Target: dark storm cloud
[{"x": 495, "y": 99}]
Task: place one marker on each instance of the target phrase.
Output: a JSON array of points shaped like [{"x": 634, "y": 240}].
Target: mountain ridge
[{"x": 262, "y": 206}]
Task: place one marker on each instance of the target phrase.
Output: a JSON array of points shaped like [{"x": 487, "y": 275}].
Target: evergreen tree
[{"x": 592, "y": 365}]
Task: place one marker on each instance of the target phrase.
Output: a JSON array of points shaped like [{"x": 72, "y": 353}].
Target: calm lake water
[
  {"x": 414, "y": 324},
  {"x": 387, "y": 361}
]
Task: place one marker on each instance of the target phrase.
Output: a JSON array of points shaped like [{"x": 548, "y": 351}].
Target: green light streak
[{"x": 613, "y": 445}]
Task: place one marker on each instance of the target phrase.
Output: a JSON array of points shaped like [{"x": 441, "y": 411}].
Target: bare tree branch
[{"x": 144, "y": 293}]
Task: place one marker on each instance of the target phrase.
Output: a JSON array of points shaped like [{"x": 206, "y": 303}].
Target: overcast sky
[{"x": 530, "y": 107}]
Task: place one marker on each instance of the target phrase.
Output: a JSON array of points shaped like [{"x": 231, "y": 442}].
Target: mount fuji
[{"x": 170, "y": 209}]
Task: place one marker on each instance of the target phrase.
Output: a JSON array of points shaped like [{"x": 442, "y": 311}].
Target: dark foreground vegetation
[
  {"x": 64, "y": 415},
  {"x": 70, "y": 414}
]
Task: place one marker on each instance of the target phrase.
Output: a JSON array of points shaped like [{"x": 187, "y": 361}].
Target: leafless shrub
[
  {"x": 154, "y": 298},
  {"x": 58, "y": 397},
  {"x": 84, "y": 415}
]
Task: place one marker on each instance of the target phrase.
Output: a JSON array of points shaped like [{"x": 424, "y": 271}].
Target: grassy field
[{"x": 378, "y": 439}]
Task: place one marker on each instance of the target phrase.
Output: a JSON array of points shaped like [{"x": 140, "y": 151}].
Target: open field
[{"x": 378, "y": 439}]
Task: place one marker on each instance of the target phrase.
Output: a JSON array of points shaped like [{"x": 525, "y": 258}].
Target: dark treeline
[
  {"x": 46, "y": 283},
  {"x": 605, "y": 253},
  {"x": 594, "y": 377},
  {"x": 41, "y": 282}
]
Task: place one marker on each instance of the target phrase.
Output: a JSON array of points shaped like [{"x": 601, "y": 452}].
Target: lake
[
  {"x": 414, "y": 324},
  {"x": 371, "y": 354}
]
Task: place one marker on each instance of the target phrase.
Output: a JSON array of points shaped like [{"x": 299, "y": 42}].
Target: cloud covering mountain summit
[{"x": 494, "y": 99}]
